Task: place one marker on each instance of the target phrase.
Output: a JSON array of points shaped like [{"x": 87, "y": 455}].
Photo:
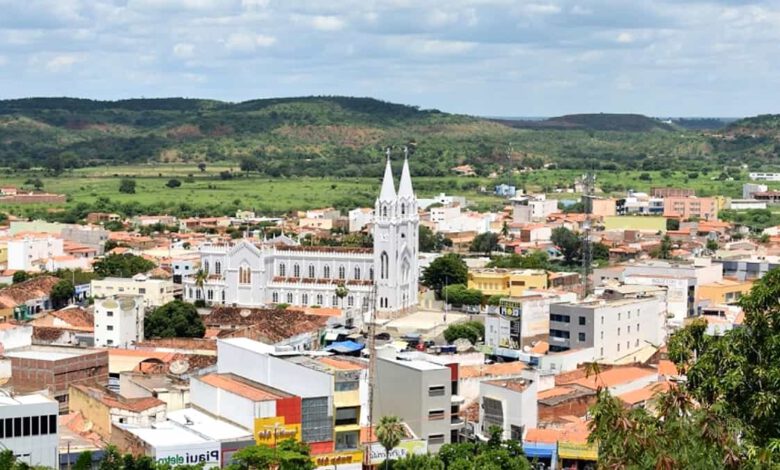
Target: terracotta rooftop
[
  {"x": 606, "y": 378},
  {"x": 270, "y": 324},
  {"x": 514, "y": 384},
  {"x": 114, "y": 400},
  {"x": 35, "y": 288},
  {"x": 243, "y": 387},
  {"x": 492, "y": 370},
  {"x": 76, "y": 316},
  {"x": 645, "y": 393},
  {"x": 557, "y": 395},
  {"x": 667, "y": 368},
  {"x": 341, "y": 364}
]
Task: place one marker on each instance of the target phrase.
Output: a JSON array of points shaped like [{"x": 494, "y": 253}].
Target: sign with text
[
  {"x": 377, "y": 453},
  {"x": 207, "y": 454},
  {"x": 338, "y": 458},
  {"x": 269, "y": 431}
]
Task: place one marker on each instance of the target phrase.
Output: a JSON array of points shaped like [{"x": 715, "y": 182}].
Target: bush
[
  {"x": 459, "y": 294},
  {"x": 470, "y": 330},
  {"x": 127, "y": 186},
  {"x": 173, "y": 183},
  {"x": 175, "y": 319}
]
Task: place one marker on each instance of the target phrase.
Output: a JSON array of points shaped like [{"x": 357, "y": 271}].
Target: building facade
[
  {"x": 119, "y": 321},
  {"x": 251, "y": 274},
  {"x": 28, "y": 428},
  {"x": 704, "y": 208},
  {"x": 155, "y": 292}
]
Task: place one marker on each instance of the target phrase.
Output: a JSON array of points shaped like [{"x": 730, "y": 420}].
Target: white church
[{"x": 258, "y": 274}]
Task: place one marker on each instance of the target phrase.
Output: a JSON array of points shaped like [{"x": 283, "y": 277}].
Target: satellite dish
[
  {"x": 463, "y": 345},
  {"x": 179, "y": 367},
  {"x": 245, "y": 312}
]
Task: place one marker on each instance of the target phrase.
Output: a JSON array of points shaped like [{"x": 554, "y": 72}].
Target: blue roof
[
  {"x": 345, "y": 347},
  {"x": 539, "y": 449}
]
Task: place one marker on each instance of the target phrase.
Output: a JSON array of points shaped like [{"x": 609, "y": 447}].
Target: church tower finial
[
  {"x": 388, "y": 185},
  {"x": 405, "y": 186}
]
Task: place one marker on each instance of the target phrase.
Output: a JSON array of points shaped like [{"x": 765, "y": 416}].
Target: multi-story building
[
  {"x": 764, "y": 176},
  {"x": 119, "y": 321},
  {"x": 422, "y": 394},
  {"x": 672, "y": 192},
  {"x": 28, "y": 428},
  {"x": 748, "y": 268},
  {"x": 749, "y": 189},
  {"x": 27, "y": 253},
  {"x": 615, "y": 328},
  {"x": 704, "y": 208},
  {"x": 509, "y": 404},
  {"x": 529, "y": 208},
  {"x": 359, "y": 218},
  {"x": 255, "y": 275},
  {"x": 507, "y": 282},
  {"x": 155, "y": 292}
]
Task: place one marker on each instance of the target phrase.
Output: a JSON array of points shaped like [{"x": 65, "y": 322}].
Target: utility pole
[
  {"x": 587, "y": 248},
  {"x": 371, "y": 357}
]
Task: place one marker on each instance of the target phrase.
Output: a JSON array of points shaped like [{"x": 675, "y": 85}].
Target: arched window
[
  {"x": 289, "y": 298},
  {"x": 217, "y": 268},
  {"x": 244, "y": 275},
  {"x": 319, "y": 300},
  {"x": 311, "y": 271},
  {"x": 384, "y": 211},
  {"x": 384, "y": 268},
  {"x": 357, "y": 273},
  {"x": 275, "y": 297},
  {"x": 296, "y": 270},
  {"x": 282, "y": 269},
  {"x": 342, "y": 272},
  {"x": 403, "y": 209},
  {"x": 351, "y": 301},
  {"x": 206, "y": 267},
  {"x": 334, "y": 301},
  {"x": 326, "y": 272},
  {"x": 371, "y": 273},
  {"x": 305, "y": 299}
]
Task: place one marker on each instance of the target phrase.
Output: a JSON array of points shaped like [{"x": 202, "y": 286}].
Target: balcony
[{"x": 456, "y": 421}]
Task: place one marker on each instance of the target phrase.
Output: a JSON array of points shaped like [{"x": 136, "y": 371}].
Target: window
[
  {"x": 244, "y": 275},
  {"x": 52, "y": 424},
  {"x": 17, "y": 427},
  {"x": 628, "y": 329},
  {"x": 384, "y": 265},
  {"x": 582, "y": 320},
  {"x": 602, "y": 335},
  {"x": 2, "y": 429},
  {"x": 493, "y": 413},
  {"x": 305, "y": 299},
  {"x": 282, "y": 269},
  {"x": 110, "y": 327},
  {"x": 436, "y": 391},
  {"x": 346, "y": 386},
  {"x": 636, "y": 344},
  {"x": 403, "y": 209},
  {"x": 210, "y": 294},
  {"x": 289, "y": 298},
  {"x": 560, "y": 318},
  {"x": 275, "y": 297},
  {"x": 109, "y": 313},
  {"x": 342, "y": 272},
  {"x": 26, "y": 426},
  {"x": 628, "y": 315},
  {"x": 435, "y": 415},
  {"x": 217, "y": 268},
  {"x": 371, "y": 274},
  {"x": 637, "y": 327},
  {"x": 351, "y": 301},
  {"x": 628, "y": 344},
  {"x": 618, "y": 316},
  {"x": 347, "y": 440},
  {"x": 110, "y": 341},
  {"x": 618, "y": 347},
  {"x": 311, "y": 271},
  {"x": 296, "y": 270},
  {"x": 602, "y": 352},
  {"x": 347, "y": 416},
  {"x": 357, "y": 273},
  {"x": 206, "y": 267},
  {"x": 516, "y": 432},
  {"x": 44, "y": 424},
  {"x": 559, "y": 334},
  {"x": 384, "y": 211},
  {"x": 435, "y": 439},
  {"x": 334, "y": 301},
  {"x": 142, "y": 290},
  {"x": 197, "y": 294},
  {"x": 326, "y": 272},
  {"x": 316, "y": 421},
  {"x": 618, "y": 331},
  {"x": 581, "y": 337},
  {"x": 602, "y": 319}
]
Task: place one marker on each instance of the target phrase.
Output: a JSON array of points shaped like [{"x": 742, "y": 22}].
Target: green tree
[
  {"x": 20, "y": 276},
  {"x": 712, "y": 245},
  {"x": 432, "y": 242},
  {"x": 445, "y": 270},
  {"x": 534, "y": 260},
  {"x": 127, "y": 186},
  {"x": 288, "y": 455},
  {"x": 200, "y": 280},
  {"x": 62, "y": 292},
  {"x": 665, "y": 250},
  {"x": 125, "y": 265},
  {"x": 341, "y": 292},
  {"x": 459, "y": 294},
  {"x": 173, "y": 183},
  {"x": 389, "y": 433},
  {"x": 249, "y": 164},
  {"x": 470, "y": 330},
  {"x": 672, "y": 224},
  {"x": 84, "y": 462},
  {"x": 485, "y": 243},
  {"x": 202, "y": 166},
  {"x": 419, "y": 462},
  {"x": 175, "y": 319},
  {"x": 568, "y": 243}
]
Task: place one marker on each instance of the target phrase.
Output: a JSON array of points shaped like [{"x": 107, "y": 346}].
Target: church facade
[{"x": 385, "y": 278}]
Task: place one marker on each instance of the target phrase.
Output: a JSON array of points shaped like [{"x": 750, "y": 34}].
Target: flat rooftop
[
  {"x": 242, "y": 387},
  {"x": 49, "y": 353},
  {"x": 415, "y": 364},
  {"x": 167, "y": 433},
  {"x": 208, "y": 425},
  {"x": 31, "y": 399}
]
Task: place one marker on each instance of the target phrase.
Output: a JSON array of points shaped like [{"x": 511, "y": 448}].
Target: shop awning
[
  {"x": 539, "y": 449},
  {"x": 345, "y": 347}
]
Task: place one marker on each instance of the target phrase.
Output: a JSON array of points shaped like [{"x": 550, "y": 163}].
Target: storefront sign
[
  {"x": 206, "y": 454},
  {"x": 338, "y": 458},
  {"x": 377, "y": 453},
  {"x": 269, "y": 431},
  {"x": 577, "y": 451}
]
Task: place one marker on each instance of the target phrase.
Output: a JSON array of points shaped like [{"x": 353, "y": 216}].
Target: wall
[
  {"x": 232, "y": 407},
  {"x": 519, "y": 407},
  {"x": 18, "y": 336},
  {"x": 93, "y": 410},
  {"x": 35, "y": 450}
]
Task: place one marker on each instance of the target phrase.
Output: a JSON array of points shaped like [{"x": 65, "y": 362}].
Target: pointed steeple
[
  {"x": 405, "y": 186},
  {"x": 388, "y": 185}
]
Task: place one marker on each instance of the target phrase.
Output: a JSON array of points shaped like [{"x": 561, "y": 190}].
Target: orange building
[{"x": 704, "y": 208}]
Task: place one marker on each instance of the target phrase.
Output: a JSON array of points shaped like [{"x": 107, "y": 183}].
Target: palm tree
[
  {"x": 389, "y": 433},
  {"x": 200, "y": 279}
]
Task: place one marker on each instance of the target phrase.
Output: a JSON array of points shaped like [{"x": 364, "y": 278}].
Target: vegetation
[
  {"x": 533, "y": 260},
  {"x": 175, "y": 319},
  {"x": 485, "y": 243},
  {"x": 445, "y": 270},
  {"x": 62, "y": 293},
  {"x": 568, "y": 242},
  {"x": 127, "y": 186},
  {"x": 111, "y": 460},
  {"x": 459, "y": 294},
  {"x": 389, "y": 433},
  {"x": 288, "y": 455},
  {"x": 20, "y": 276},
  {"x": 470, "y": 330},
  {"x": 125, "y": 265},
  {"x": 432, "y": 242}
]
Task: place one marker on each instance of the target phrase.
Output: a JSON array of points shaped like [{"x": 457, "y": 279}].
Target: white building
[
  {"x": 255, "y": 275},
  {"x": 749, "y": 189},
  {"x": 119, "y": 321},
  {"x": 359, "y": 218},
  {"x": 155, "y": 292},
  {"x": 171, "y": 443},
  {"x": 745, "y": 204},
  {"x": 509, "y": 404},
  {"x": 764, "y": 176},
  {"x": 29, "y": 252},
  {"x": 28, "y": 428}
]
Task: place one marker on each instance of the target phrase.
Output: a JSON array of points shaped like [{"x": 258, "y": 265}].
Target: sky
[{"x": 482, "y": 57}]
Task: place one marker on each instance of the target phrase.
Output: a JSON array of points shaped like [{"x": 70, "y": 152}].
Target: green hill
[{"x": 596, "y": 122}]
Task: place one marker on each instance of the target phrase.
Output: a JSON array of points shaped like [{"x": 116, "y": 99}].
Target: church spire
[
  {"x": 405, "y": 186},
  {"x": 388, "y": 185}
]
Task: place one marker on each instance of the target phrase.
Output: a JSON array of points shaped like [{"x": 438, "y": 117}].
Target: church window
[
  {"x": 275, "y": 297},
  {"x": 210, "y": 294},
  {"x": 289, "y": 298},
  {"x": 305, "y": 299},
  {"x": 296, "y": 270},
  {"x": 244, "y": 275},
  {"x": 357, "y": 273},
  {"x": 197, "y": 294},
  {"x": 342, "y": 272},
  {"x": 311, "y": 271},
  {"x": 334, "y": 301},
  {"x": 384, "y": 211},
  {"x": 403, "y": 209},
  {"x": 326, "y": 272},
  {"x": 319, "y": 300},
  {"x": 371, "y": 274},
  {"x": 206, "y": 267},
  {"x": 351, "y": 301},
  {"x": 384, "y": 268},
  {"x": 218, "y": 268},
  {"x": 282, "y": 269}
]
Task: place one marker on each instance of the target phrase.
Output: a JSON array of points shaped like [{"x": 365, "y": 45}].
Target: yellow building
[
  {"x": 727, "y": 291},
  {"x": 346, "y": 401},
  {"x": 507, "y": 282},
  {"x": 4, "y": 253}
]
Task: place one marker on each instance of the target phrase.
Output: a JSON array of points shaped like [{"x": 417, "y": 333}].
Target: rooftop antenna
[{"x": 588, "y": 181}]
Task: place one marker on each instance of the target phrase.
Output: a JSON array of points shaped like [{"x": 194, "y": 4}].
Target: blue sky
[{"x": 486, "y": 57}]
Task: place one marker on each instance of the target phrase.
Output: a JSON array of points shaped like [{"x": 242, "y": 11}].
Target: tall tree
[
  {"x": 62, "y": 292},
  {"x": 445, "y": 270},
  {"x": 568, "y": 242},
  {"x": 122, "y": 265},
  {"x": 288, "y": 455},
  {"x": 175, "y": 319},
  {"x": 485, "y": 243},
  {"x": 127, "y": 186},
  {"x": 389, "y": 433},
  {"x": 200, "y": 280}
]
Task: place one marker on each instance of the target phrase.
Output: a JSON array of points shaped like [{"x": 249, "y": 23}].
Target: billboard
[
  {"x": 377, "y": 453},
  {"x": 269, "y": 431},
  {"x": 207, "y": 454},
  {"x": 341, "y": 460}
]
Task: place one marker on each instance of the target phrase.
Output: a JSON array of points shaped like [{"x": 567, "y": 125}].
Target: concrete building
[
  {"x": 28, "y": 428},
  {"x": 509, "y": 404},
  {"x": 422, "y": 394},
  {"x": 531, "y": 208},
  {"x": 28, "y": 252},
  {"x": 507, "y": 282},
  {"x": 103, "y": 409},
  {"x": 745, "y": 204},
  {"x": 172, "y": 390},
  {"x": 749, "y": 189},
  {"x": 170, "y": 443},
  {"x": 119, "y": 321},
  {"x": 762, "y": 176},
  {"x": 54, "y": 368},
  {"x": 359, "y": 218},
  {"x": 672, "y": 192},
  {"x": 90, "y": 235},
  {"x": 748, "y": 268},
  {"x": 155, "y": 292},
  {"x": 615, "y": 328},
  {"x": 704, "y": 208}
]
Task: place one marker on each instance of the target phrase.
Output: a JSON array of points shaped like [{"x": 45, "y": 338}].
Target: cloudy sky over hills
[{"x": 488, "y": 57}]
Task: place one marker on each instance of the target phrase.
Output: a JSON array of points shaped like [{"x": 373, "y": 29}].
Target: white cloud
[
  {"x": 247, "y": 42},
  {"x": 62, "y": 63},
  {"x": 327, "y": 23},
  {"x": 254, "y": 4},
  {"x": 183, "y": 50},
  {"x": 625, "y": 38},
  {"x": 435, "y": 47}
]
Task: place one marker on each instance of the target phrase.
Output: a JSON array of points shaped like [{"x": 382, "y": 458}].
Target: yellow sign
[
  {"x": 269, "y": 431},
  {"x": 377, "y": 454},
  {"x": 577, "y": 451},
  {"x": 337, "y": 458}
]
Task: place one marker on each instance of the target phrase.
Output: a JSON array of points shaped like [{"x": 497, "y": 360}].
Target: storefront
[
  {"x": 339, "y": 461},
  {"x": 542, "y": 455},
  {"x": 208, "y": 454},
  {"x": 577, "y": 455},
  {"x": 270, "y": 431},
  {"x": 376, "y": 453}
]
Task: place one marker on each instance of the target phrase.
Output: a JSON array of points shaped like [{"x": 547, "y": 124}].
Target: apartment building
[
  {"x": 119, "y": 321},
  {"x": 28, "y": 428},
  {"x": 155, "y": 292},
  {"x": 507, "y": 282},
  {"x": 28, "y": 252},
  {"x": 616, "y": 328},
  {"x": 509, "y": 404},
  {"x": 704, "y": 208},
  {"x": 422, "y": 394}
]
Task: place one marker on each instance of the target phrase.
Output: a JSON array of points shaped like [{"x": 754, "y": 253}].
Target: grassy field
[{"x": 206, "y": 190}]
